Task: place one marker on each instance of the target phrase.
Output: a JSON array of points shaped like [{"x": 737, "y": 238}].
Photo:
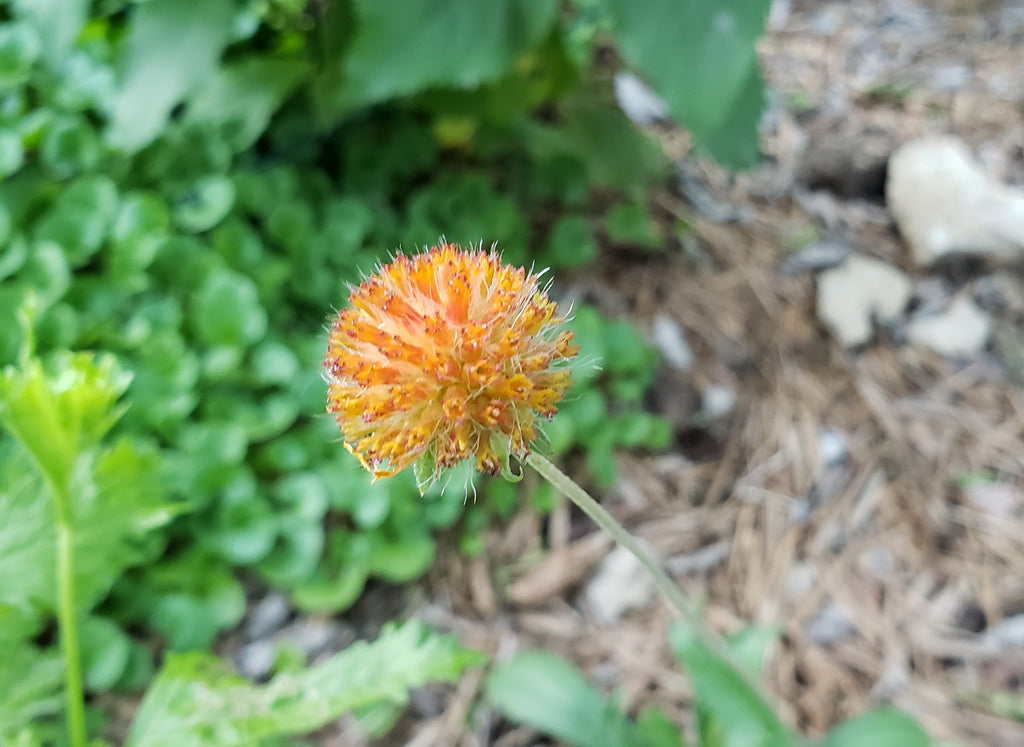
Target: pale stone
[
  {"x": 960, "y": 331},
  {"x": 857, "y": 292},
  {"x": 637, "y": 101},
  {"x": 669, "y": 339},
  {"x": 621, "y": 584},
  {"x": 946, "y": 204}
]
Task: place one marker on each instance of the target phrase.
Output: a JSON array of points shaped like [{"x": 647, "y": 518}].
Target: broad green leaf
[
  {"x": 105, "y": 652},
  {"x": 546, "y": 693},
  {"x": 700, "y": 57},
  {"x": 172, "y": 47},
  {"x": 206, "y": 204},
  {"x": 730, "y": 712},
  {"x": 294, "y": 557},
  {"x": 196, "y": 701},
  {"x": 243, "y": 94},
  {"x": 750, "y": 646},
  {"x": 188, "y": 599},
  {"x": 480, "y": 42},
  {"x": 20, "y": 46},
  {"x": 244, "y": 526},
  {"x": 80, "y": 218},
  {"x": 69, "y": 146},
  {"x": 138, "y": 230},
  {"x": 885, "y": 727},
  {"x": 402, "y": 559},
  {"x": 12, "y": 156},
  {"x": 341, "y": 575},
  {"x": 226, "y": 310},
  {"x": 57, "y": 23},
  {"x": 611, "y": 149}
]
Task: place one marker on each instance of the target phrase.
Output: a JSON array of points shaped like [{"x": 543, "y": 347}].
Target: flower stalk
[
  {"x": 68, "y": 622},
  {"x": 568, "y": 487},
  {"x": 67, "y": 618}
]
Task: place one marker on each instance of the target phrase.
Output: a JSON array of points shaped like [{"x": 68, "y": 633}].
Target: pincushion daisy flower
[
  {"x": 444, "y": 356},
  {"x": 451, "y": 355}
]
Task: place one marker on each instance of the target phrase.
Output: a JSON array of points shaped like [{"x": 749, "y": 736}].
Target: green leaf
[
  {"x": 630, "y": 223},
  {"x": 57, "y": 23},
  {"x": 700, "y": 58},
  {"x": 546, "y": 693},
  {"x": 403, "y": 559},
  {"x": 20, "y": 46},
  {"x": 58, "y": 413},
  {"x": 571, "y": 242},
  {"x": 481, "y": 41},
  {"x": 750, "y": 646},
  {"x": 30, "y": 685},
  {"x": 196, "y": 701},
  {"x": 655, "y": 729},
  {"x": 105, "y": 652},
  {"x": 294, "y": 558},
  {"x": 69, "y": 146},
  {"x": 226, "y": 310},
  {"x": 114, "y": 494},
  {"x": 207, "y": 203},
  {"x": 244, "y": 527},
  {"x": 139, "y": 229},
  {"x": 243, "y": 94},
  {"x": 340, "y": 578},
  {"x": 172, "y": 47},
  {"x": 730, "y": 712},
  {"x": 273, "y": 362},
  {"x": 80, "y": 218},
  {"x": 196, "y": 599},
  {"x": 885, "y": 727},
  {"x": 12, "y": 155},
  {"x": 47, "y": 272}
]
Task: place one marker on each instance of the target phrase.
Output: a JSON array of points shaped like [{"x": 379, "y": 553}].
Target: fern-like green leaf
[{"x": 197, "y": 702}]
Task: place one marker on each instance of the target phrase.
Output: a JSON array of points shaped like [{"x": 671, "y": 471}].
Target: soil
[{"x": 868, "y": 503}]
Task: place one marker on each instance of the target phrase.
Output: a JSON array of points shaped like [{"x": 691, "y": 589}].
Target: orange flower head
[{"x": 444, "y": 356}]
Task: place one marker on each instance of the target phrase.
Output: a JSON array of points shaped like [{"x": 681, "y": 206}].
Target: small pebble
[{"x": 668, "y": 338}]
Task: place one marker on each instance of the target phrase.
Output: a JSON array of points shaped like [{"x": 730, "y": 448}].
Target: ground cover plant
[{"x": 176, "y": 222}]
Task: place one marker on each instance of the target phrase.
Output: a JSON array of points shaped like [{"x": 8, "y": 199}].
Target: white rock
[
  {"x": 619, "y": 585},
  {"x": 267, "y": 615},
  {"x": 858, "y": 291},
  {"x": 960, "y": 331},
  {"x": 1007, "y": 634},
  {"x": 254, "y": 660},
  {"x": 668, "y": 338},
  {"x": 638, "y": 102},
  {"x": 717, "y": 401},
  {"x": 831, "y": 446},
  {"x": 945, "y": 203}
]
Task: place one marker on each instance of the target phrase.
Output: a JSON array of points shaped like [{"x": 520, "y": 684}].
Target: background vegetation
[{"x": 188, "y": 189}]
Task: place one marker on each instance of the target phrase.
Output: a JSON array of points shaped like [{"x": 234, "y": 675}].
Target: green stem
[
  {"x": 665, "y": 585},
  {"x": 69, "y": 632},
  {"x": 606, "y": 521}
]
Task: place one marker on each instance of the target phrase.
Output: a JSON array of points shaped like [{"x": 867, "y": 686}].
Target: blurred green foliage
[
  {"x": 191, "y": 187},
  {"x": 548, "y": 694}
]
